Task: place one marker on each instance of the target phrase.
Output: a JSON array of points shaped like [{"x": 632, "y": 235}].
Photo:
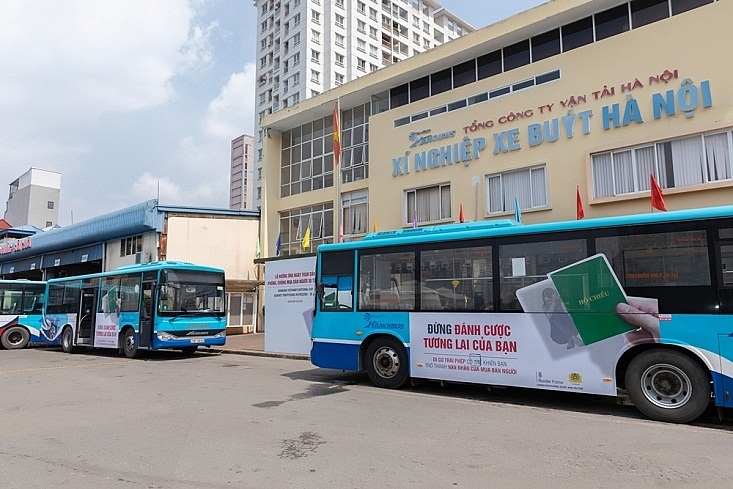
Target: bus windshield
[
  {"x": 190, "y": 292},
  {"x": 21, "y": 303}
]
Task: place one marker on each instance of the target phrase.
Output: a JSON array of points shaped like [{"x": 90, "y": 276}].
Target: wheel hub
[
  {"x": 386, "y": 362},
  {"x": 15, "y": 337},
  {"x": 666, "y": 386}
]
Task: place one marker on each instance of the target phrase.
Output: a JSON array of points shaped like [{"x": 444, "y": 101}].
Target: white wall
[{"x": 219, "y": 242}]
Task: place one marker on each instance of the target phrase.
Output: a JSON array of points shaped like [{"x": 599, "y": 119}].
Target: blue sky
[{"x": 135, "y": 99}]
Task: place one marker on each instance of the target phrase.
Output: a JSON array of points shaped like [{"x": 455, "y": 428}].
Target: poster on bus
[{"x": 575, "y": 325}]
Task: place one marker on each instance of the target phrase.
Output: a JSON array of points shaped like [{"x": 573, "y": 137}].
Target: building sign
[
  {"x": 452, "y": 154},
  {"x": 17, "y": 245},
  {"x": 569, "y": 122}
]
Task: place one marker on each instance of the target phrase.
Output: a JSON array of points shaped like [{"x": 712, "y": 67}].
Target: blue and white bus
[
  {"x": 21, "y": 305},
  {"x": 160, "y": 305},
  {"x": 641, "y": 303}
]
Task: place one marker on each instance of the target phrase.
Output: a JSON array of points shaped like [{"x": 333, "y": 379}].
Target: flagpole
[{"x": 337, "y": 170}]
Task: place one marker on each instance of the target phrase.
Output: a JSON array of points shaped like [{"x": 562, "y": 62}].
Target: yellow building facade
[{"x": 573, "y": 98}]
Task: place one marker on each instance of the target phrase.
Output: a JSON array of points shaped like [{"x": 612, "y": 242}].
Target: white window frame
[
  {"x": 528, "y": 186},
  {"x": 432, "y": 204},
  {"x": 355, "y": 212},
  {"x": 693, "y": 160}
]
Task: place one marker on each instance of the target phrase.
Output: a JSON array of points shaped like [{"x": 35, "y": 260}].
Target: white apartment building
[
  {"x": 306, "y": 47},
  {"x": 34, "y": 199},
  {"x": 242, "y": 168}
]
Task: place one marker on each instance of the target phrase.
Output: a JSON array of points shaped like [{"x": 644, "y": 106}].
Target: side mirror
[{"x": 320, "y": 291}]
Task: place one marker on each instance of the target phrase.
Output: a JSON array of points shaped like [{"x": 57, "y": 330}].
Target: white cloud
[
  {"x": 231, "y": 114},
  {"x": 197, "y": 51},
  {"x": 124, "y": 93},
  {"x": 204, "y": 159},
  {"x": 76, "y": 59},
  {"x": 150, "y": 187},
  {"x": 20, "y": 154}
]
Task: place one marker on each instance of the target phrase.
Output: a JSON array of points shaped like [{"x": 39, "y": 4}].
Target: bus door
[
  {"x": 87, "y": 315},
  {"x": 724, "y": 251},
  {"x": 146, "y": 315},
  {"x": 725, "y": 264}
]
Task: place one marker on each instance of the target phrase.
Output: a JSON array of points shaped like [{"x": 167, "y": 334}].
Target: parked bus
[
  {"x": 21, "y": 305},
  {"x": 160, "y": 305},
  {"x": 642, "y": 303}
]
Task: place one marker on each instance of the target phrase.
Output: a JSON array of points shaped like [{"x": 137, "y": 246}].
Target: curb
[{"x": 258, "y": 353}]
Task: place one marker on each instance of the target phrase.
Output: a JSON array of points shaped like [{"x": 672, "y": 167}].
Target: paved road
[{"x": 96, "y": 420}]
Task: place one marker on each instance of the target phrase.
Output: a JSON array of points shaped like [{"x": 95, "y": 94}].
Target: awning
[
  {"x": 21, "y": 265},
  {"x": 77, "y": 255}
]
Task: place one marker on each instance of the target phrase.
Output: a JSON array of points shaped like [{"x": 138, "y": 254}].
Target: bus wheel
[
  {"x": 129, "y": 346},
  {"x": 15, "y": 338},
  {"x": 67, "y": 340},
  {"x": 386, "y": 363},
  {"x": 189, "y": 350},
  {"x": 667, "y": 385}
]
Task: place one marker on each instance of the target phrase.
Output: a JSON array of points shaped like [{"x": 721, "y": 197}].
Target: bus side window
[
  {"x": 387, "y": 281},
  {"x": 336, "y": 283},
  {"x": 523, "y": 264},
  {"x": 337, "y": 293}
]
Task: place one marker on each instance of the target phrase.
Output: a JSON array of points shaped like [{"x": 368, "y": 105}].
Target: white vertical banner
[{"x": 290, "y": 292}]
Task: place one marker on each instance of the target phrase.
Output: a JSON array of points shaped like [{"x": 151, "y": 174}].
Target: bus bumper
[{"x": 341, "y": 356}]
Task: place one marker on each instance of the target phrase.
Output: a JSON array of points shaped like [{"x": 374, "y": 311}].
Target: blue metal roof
[
  {"x": 133, "y": 220},
  {"x": 139, "y": 219}
]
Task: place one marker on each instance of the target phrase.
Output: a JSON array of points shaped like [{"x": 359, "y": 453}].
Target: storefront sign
[{"x": 17, "y": 245}]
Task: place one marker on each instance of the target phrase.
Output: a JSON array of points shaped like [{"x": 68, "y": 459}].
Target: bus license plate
[{"x": 197, "y": 340}]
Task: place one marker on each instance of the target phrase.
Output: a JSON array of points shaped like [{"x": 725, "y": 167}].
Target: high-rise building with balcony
[
  {"x": 242, "y": 168},
  {"x": 306, "y": 47}
]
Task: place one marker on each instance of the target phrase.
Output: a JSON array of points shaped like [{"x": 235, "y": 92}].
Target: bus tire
[
  {"x": 189, "y": 350},
  {"x": 67, "y": 340},
  {"x": 386, "y": 363},
  {"x": 667, "y": 385},
  {"x": 15, "y": 338},
  {"x": 129, "y": 345}
]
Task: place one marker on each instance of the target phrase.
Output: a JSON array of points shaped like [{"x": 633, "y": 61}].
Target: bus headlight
[{"x": 163, "y": 336}]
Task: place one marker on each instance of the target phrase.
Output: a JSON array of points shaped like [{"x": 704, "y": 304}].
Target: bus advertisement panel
[
  {"x": 21, "y": 304},
  {"x": 161, "y": 305},
  {"x": 639, "y": 304}
]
